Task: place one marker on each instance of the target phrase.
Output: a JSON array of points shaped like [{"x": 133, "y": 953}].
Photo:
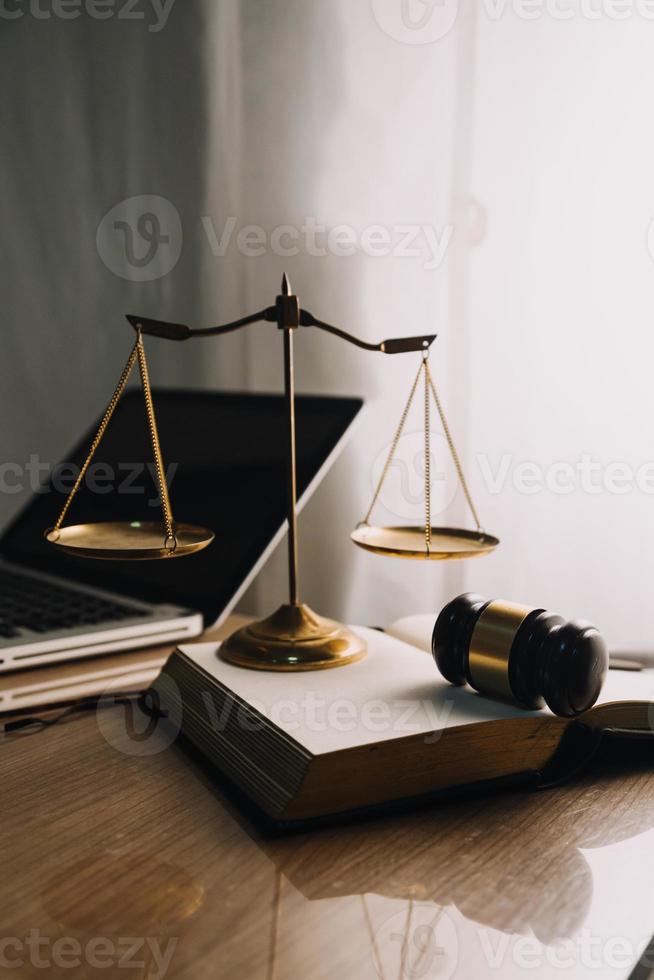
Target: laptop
[{"x": 225, "y": 459}]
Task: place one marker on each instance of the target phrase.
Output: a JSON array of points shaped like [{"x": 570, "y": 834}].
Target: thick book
[{"x": 387, "y": 730}]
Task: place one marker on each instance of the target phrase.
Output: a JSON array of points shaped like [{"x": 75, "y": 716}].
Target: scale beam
[
  {"x": 396, "y": 345},
  {"x": 180, "y": 331}
]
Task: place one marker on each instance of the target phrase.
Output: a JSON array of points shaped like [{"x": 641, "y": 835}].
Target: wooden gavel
[{"x": 520, "y": 654}]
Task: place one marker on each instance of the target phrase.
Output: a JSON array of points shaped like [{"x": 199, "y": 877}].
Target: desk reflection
[
  {"x": 511, "y": 861},
  {"x": 170, "y": 855}
]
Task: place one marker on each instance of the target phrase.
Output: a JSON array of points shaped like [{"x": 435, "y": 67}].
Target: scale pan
[
  {"x": 409, "y": 542},
  {"x": 129, "y": 541}
]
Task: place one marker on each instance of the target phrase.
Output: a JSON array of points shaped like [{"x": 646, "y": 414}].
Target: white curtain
[
  {"x": 562, "y": 311},
  {"x": 98, "y": 117},
  {"x": 528, "y": 133},
  {"x": 519, "y": 151},
  {"x": 343, "y": 126}
]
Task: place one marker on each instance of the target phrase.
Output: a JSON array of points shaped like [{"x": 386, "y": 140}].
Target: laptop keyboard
[{"x": 40, "y": 606}]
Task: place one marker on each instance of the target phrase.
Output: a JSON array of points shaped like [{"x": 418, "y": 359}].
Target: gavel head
[{"x": 520, "y": 654}]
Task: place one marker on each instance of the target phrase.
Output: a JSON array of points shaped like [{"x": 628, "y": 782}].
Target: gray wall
[{"x": 94, "y": 113}]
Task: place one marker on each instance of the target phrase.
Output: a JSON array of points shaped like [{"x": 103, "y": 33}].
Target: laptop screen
[{"x": 225, "y": 458}]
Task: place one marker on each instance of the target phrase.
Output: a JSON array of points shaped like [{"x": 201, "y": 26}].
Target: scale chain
[
  {"x": 453, "y": 451},
  {"x": 427, "y": 459},
  {"x": 429, "y": 387},
  {"x": 394, "y": 445},
  {"x": 156, "y": 447},
  {"x": 137, "y": 353},
  {"x": 106, "y": 418}
]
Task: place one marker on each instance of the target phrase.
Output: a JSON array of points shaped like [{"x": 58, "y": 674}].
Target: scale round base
[
  {"x": 293, "y": 638},
  {"x": 129, "y": 540},
  {"x": 447, "y": 543}
]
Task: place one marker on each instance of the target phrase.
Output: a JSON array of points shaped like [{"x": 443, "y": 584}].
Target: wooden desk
[{"x": 105, "y": 837}]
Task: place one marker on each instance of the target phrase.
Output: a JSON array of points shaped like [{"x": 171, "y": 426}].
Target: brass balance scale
[{"x": 294, "y": 637}]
